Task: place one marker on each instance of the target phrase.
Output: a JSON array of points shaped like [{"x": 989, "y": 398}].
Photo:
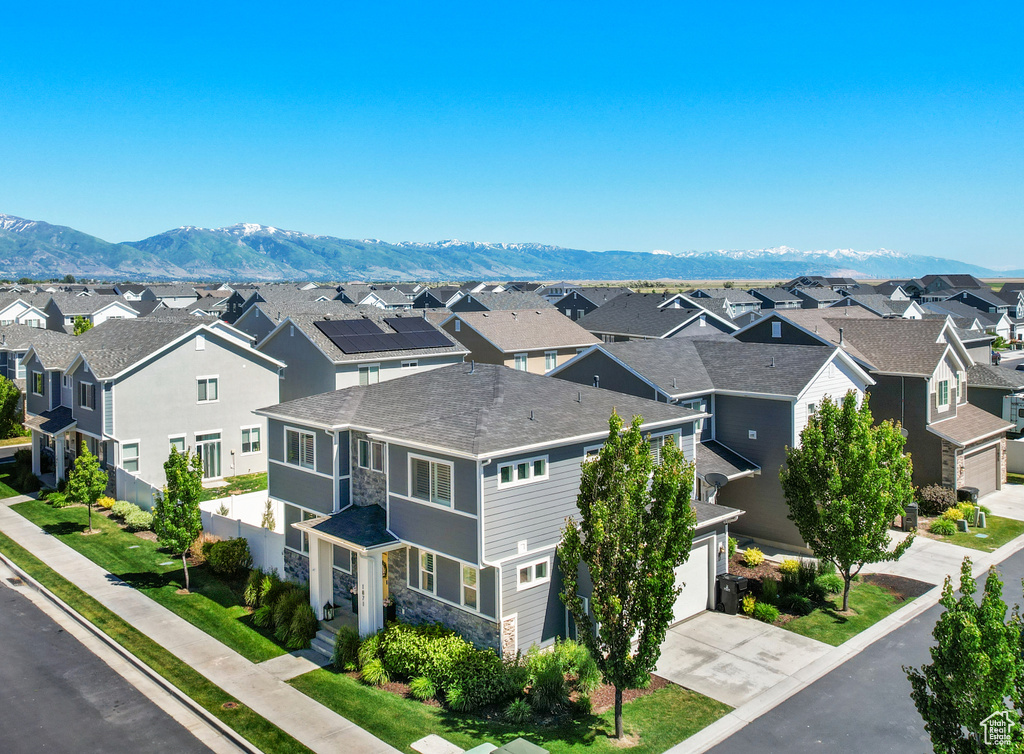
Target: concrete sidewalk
[{"x": 259, "y": 688}]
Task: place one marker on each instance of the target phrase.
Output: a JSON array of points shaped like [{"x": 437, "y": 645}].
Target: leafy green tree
[
  {"x": 87, "y": 481},
  {"x": 976, "y": 668},
  {"x": 634, "y": 529},
  {"x": 845, "y": 484},
  {"x": 11, "y": 416},
  {"x": 81, "y": 325},
  {"x": 268, "y": 521},
  {"x": 177, "y": 520},
  {"x": 69, "y": 279}
]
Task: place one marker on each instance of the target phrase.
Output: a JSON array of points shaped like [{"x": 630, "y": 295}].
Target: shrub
[
  {"x": 953, "y": 514},
  {"x": 797, "y": 604},
  {"x": 138, "y": 520},
  {"x": 373, "y": 673},
  {"x": 548, "y": 694},
  {"x": 409, "y": 651},
  {"x": 251, "y": 593},
  {"x": 831, "y": 582},
  {"x": 748, "y": 604},
  {"x": 968, "y": 510},
  {"x": 346, "y": 649},
  {"x": 457, "y": 700},
  {"x": 753, "y": 557},
  {"x": 732, "y": 547},
  {"x": 196, "y": 548},
  {"x": 935, "y": 498},
  {"x": 369, "y": 649},
  {"x": 106, "y": 502},
  {"x": 943, "y": 527},
  {"x": 303, "y": 627},
  {"x": 423, "y": 688},
  {"x": 985, "y": 509},
  {"x": 790, "y": 584},
  {"x": 806, "y": 572},
  {"x": 58, "y": 499},
  {"x": 826, "y": 568},
  {"x": 518, "y": 712},
  {"x": 230, "y": 557},
  {"x": 582, "y": 706},
  {"x": 789, "y": 565},
  {"x": 770, "y": 591},
  {"x": 284, "y": 610},
  {"x": 765, "y": 612},
  {"x": 122, "y": 509},
  {"x": 481, "y": 678},
  {"x": 263, "y": 616}
]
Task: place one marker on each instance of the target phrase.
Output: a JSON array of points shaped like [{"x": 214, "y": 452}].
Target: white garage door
[
  {"x": 693, "y": 576},
  {"x": 980, "y": 470}
]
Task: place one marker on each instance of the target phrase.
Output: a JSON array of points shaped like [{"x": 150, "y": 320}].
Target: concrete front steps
[{"x": 324, "y": 640}]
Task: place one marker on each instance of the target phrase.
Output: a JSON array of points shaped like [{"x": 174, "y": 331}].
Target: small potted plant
[
  {"x": 354, "y": 591},
  {"x": 390, "y": 610}
]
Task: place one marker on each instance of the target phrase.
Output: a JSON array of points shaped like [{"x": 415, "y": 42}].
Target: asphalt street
[
  {"x": 56, "y": 696},
  {"x": 863, "y": 705}
]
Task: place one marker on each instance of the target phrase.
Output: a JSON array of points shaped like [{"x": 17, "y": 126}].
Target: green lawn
[
  {"x": 237, "y": 485},
  {"x": 264, "y": 734},
  {"x": 25, "y": 440},
  {"x": 213, "y": 606},
  {"x": 661, "y": 719},
  {"x": 1015, "y": 478},
  {"x": 6, "y": 490},
  {"x": 869, "y": 602},
  {"x": 998, "y": 532}
]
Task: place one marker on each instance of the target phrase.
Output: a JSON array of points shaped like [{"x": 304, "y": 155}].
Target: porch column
[
  {"x": 37, "y": 453},
  {"x": 58, "y": 457},
  {"x": 371, "y": 593},
  {"x": 321, "y": 577}
]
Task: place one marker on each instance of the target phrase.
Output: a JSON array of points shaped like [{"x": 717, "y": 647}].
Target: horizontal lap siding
[
  {"x": 835, "y": 385},
  {"x": 302, "y": 488},
  {"x": 539, "y": 610},
  {"x": 464, "y": 489},
  {"x": 434, "y": 529}
]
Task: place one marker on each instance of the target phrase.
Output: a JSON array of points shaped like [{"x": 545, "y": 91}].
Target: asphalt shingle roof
[
  {"x": 71, "y": 304},
  {"x": 900, "y": 346},
  {"x": 510, "y": 300},
  {"x": 364, "y": 526},
  {"x": 475, "y": 410},
  {"x": 638, "y": 314},
  {"x": 969, "y": 425},
  {"x": 528, "y": 330},
  {"x": 986, "y": 375},
  {"x": 20, "y": 337},
  {"x": 775, "y": 295},
  {"x": 713, "y": 457},
  {"x": 117, "y": 344}
]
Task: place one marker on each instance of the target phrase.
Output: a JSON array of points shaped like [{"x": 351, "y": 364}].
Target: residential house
[
  {"x": 334, "y": 350},
  {"x": 776, "y": 298},
  {"x": 920, "y": 373},
  {"x": 173, "y": 295},
  {"x": 735, "y": 302},
  {"x": 817, "y": 297},
  {"x": 64, "y": 308},
  {"x": 534, "y": 340},
  {"x": 946, "y": 284},
  {"x": 883, "y": 305},
  {"x": 580, "y": 302},
  {"x": 489, "y": 301},
  {"x": 430, "y": 298},
  {"x": 387, "y": 298},
  {"x": 641, "y": 316},
  {"x": 23, "y": 309},
  {"x": 15, "y": 341},
  {"x": 447, "y": 491},
  {"x": 999, "y": 391},
  {"x": 819, "y": 281},
  {"x": 997, "y": 323},
  {"x": 204, "y": 377},
  {"x": 985, "y": 300},
  {"x": 759, "y": 397},
  {"x": 260, "y": 319}
]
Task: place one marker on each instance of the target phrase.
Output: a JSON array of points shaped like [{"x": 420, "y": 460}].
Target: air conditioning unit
[{"x": 1013, "y": 410}]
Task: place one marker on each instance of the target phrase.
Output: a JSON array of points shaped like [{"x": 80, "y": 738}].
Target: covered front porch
[
  {"x": 50, "y": 435},
  {"x": 350, "y": 550}
]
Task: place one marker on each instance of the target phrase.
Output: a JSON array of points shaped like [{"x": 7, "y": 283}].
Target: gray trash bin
[
  {"x": 968, "y": 495},
  {"x": 731, "y": 589},
  {"x": 910, "y": 518}
]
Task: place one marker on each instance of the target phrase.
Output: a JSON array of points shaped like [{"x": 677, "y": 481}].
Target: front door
[{"x": 208, "y": 448}]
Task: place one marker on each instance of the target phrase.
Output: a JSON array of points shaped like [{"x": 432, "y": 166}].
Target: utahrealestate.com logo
[{"x": 997, "y": 727}]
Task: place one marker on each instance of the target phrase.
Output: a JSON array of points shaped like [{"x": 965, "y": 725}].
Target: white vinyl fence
[
  {"x": 134, "y": 490},
  {"x": 1015, "y": 456},
  {"x": 242, "y": 518}
]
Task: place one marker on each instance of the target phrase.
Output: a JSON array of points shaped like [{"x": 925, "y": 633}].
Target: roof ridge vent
[{"x": 772, "y": 365}]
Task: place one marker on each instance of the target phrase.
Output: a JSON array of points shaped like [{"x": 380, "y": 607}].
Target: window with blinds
[
  {"x": 300, "y": 448},
  {"x": 659, "y": 442},
  {"x": 430, "y": 481}
]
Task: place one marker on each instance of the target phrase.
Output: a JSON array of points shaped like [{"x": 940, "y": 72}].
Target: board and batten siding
[
  {"x": 835, "y": 381},
  {"x": 946, "y": 370}
]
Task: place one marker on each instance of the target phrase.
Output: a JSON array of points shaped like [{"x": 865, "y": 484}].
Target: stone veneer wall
[
  {"x": 367, "y": 487},
  {"x": 296, "y": 567},
  {"x": 1002, "y": 460},
  {"x": 951, "y": 474},
  {"x": 417, "y": 608},
  {"x": 343, "y": 584}
]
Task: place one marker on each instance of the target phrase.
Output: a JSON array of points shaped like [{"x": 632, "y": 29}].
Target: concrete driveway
[{"x": 733, "y": 658}]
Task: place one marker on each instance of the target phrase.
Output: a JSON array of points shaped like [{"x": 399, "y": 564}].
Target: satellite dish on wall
[
  {"x": 903, "y": 431},
  {"x": 716, "y": 479}
]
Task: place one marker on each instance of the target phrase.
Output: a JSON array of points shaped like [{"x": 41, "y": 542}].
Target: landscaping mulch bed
[
  {"x": 901, "y": 587},
  {"x": 766, "y": 570},
  {"x": 603, "y": 698}
]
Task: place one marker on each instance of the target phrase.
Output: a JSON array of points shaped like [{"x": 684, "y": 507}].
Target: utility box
[
  {"x": 731, "y": 589},
  {"x": 910, "y": 517}
]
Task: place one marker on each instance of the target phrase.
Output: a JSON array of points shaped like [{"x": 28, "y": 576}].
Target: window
[
  {"x": 250, "y": 440},
  {"x": 776, "y": 329},
  {"x": 201, "y": 341},
  {"x": 696, "y": 406},
  {"x": 659, "y": 442},
  {"x": 300, "y": 448},
  {"x": 703, "y": 320},
  {"x": 37, "y": 383},
  {"x": 469, "y": 574},
  {"x": 942, "y": 393},
  {"x": 520, "y": 361},
  {"x": 19, "y": 366},
  {"x": 178, "y": 443},
  {"x": 364, "y": 454},
  {"x": 87, "y": 395},
  {"x": 377, "y": 456},
  {"x": 550, "y": 360},
  {"x": 597, "y": 380},
  {"x": 533, "y": 574},
  {"x": 430, "y": 481},
  {"x": 427, "y": 572},
  {"x": 207, "y": 389},
  {"x": 458, "y": 325},
  {"x": 959, "y": 388},
  {"x": 411, "y": 364},
  {"x": 130, "y": 457},
  {"x": 527, "y": 470},
  {"x": 296, "y": 539},
  {"x": 369, "y": 374},
  {"x": 811, "y": 408}
]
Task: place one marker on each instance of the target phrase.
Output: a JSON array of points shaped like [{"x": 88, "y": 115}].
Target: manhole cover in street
[
  {"x": 230, "y": 705},
  {"x": 16, "y": 581}
]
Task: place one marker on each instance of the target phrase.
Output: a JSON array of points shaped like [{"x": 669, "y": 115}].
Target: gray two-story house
[{"x": 447, "y": 491}]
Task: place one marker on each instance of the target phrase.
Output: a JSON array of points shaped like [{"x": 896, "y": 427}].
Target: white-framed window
[
  {"x": 19, "y": 366},
  {"x": 300, "y": 448},
  {"x": 534, "y": 574},
  {"x": 776, "y": 329},
  {"x": 811, "y": 408},
  {"x": 177, "y": 442},
  {"x": 697, "y": 405},
  {"x": 521, "y": 472},
  {"x": 38, "y": 384},
  {"x": 251, "y": 440},
  {"x": 207, "y": 389},
  {"x": 369, "y": 374},
  {"x": 942, "y": 394},
  {"x": 469, "y": 587},
  {"x": 570, "y": 621},
  {"x": 130, "y": 456},
  {"x": 458, "y": 325},
  {"x": 959, "y": 387},
  {"x": 550, "y": 360},
  {"x": 658, "y": 442},
  {"x": 296, "y": 539},
  {"x": 410, "y": 364},
  {"x": 703, "y": 320},
  {"x": 363, "y": 454},
  {"x": 520, "y": 361},
  {"x": 87, "y": 395},
  {"x": 342, "y": 563},
  {"x": 377, "y": 456},
  {"x": 428, "y": 581},
  {"x": 430, "y": 480}
]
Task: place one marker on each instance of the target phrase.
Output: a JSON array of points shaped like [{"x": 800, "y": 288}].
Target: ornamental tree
[
  {"x": 177, "y": 520},
  {"x": 11, "y": 417},
  {"x": 976, "y": 669},
  {"x": 634, "y": 529},
  {"x": 81, "y": 325},
  {"x": 87, "y": 481},
  {"x": 845, "y": 484}
]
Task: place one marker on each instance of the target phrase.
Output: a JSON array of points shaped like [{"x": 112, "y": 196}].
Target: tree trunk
[
  {"x": 618, "y": 712},
  {"x": 89, "y": 506},
  {"x": 846, "y": 591},
  {"x": 185, "y": 566}
]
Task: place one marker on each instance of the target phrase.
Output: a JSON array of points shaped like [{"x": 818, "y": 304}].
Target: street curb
[
  {"x": 740, "y": 717},
  {"x": 227, "y": 732}
]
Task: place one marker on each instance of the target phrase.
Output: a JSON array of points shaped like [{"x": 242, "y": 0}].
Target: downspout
[{"x": 483, "y": 560}]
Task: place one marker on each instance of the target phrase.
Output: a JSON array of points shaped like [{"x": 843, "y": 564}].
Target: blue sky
[{"x": 590, "y": 125}]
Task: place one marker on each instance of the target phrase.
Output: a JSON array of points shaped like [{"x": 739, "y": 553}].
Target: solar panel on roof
[
  {"x": 354, "y": 336},
  {"x": 409, "y": 324}
]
